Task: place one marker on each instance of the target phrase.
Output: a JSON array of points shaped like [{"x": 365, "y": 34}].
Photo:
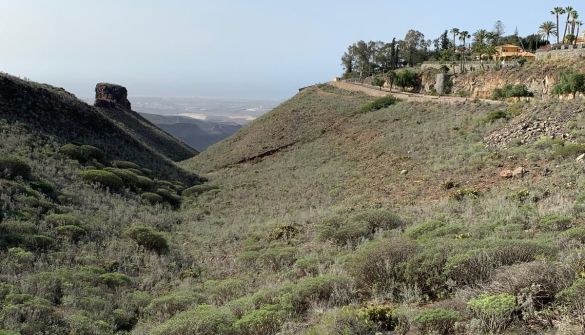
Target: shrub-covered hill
[
  {"x": 53, "y": 111},
  {"x": 409, "y": 219}
]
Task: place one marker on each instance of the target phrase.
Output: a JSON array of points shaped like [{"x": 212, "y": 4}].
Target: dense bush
[
  {"x": 115, "y": 279},
  {"x": 82, "y": 153},
  {"x": 379, "y": 103},
  {"x": 201, "y": 320},
  {"x": 555, "y": 223},
  {"x": 433, "y": 229},
  {"x": 437, "y": 321},
  {"x": 572, "y": 296},
  {"x": 168, "y": 305},
  {"x": 145, "y": 183},
  {"x": 71, "y": 232},
  {"x": 264, "y": 321},
  {"x": 496, "y": 115},
  {"x": 56, "y": 220},
  {"x": 495, "y": 312},
  {"x": 148, "y": 238},
  {"x": 570, "y": 82},
  {"x": 406, "y": 78},
  {"x": 342, "y": 321},
  {"x": 129, "y": 178},
  {"x": 326, "y": 290},
  {"x": 103, "y": 178},
  {"x": 125, "y": 165},
  {"x": 511, "y": 91},
  {"x": 152, "y": 198},
  {"x": 477, "y": 265},
  {"x": 12, "y": 167},
  {"x": 380, "y": 266},
  {"x": 343, "y": 229},
  {"x": 173, "y": 199}
]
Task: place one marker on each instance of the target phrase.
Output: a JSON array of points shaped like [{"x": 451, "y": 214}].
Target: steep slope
[
  {"x": 199, "y": 134},
  {"x": 54, "y": 111}
]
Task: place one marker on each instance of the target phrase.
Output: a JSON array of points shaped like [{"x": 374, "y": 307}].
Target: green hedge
[
  {"x": 148, "y": 238},
  {"x": 12, "y": 167},
  {"x": 103, "y": 178}
]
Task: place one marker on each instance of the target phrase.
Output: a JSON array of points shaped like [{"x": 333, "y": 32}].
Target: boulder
[
  {"x": 506, "y": 173},
  {"x": 518, "y": 172},
  {"x": 111, "y": 96}
]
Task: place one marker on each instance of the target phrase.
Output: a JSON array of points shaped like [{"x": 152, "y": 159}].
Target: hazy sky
[{"x": 222, "y": 48}]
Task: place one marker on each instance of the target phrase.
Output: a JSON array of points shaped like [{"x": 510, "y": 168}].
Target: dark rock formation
[{"x": 111, "y": 96}]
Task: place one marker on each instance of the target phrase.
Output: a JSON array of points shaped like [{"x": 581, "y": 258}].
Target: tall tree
[
  {"x": 547, "y": 28},
  {"x": 348, "y": 60},
  {"x": 568, "y": 11},
  {"x": 579, "y": 24},
  {"x": 414, "y": 47},
  {"x": 499, "y": 30},
  {"x": 463, "y": 36},
  {"x": 557, "y": 11}
]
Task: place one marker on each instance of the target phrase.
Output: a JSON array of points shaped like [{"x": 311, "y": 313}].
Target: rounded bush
[
  {"x": 168, "y": 305},
  {"x": 129, "y": 178},
  {"x": 346, "y": 320},
  {"x": 148, "y": 238},
  {"x": 103, "y": 178},
  {"x": 72, "y": 232},
  {"x": 152, "y": 198},
  {"x": 145, "y": 183},
  {"x": 115, "y": 279},
  {"x": 12, "y": 167},
  {"x": 56, "y": 220},
  {"x": 437, "y": 321},
  {"x": 82, "y": 153},
  {"x": 555, "y": 223},
  {"x": 201, "y": 320},
  {"x": 264, "y": 321},
  {"x": 125, "y": 165},
  {"x": 495, "y": 311},
  {"x": 173, "y": 199}
]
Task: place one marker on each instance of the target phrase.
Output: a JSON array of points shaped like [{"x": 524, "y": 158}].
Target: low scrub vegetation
[
  {"x": 512, "y": 91},
  {"x": 379, "y": 103}
]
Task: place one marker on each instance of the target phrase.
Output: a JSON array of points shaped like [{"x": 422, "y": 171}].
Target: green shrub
[
  {"x": 219, "y": 292},
  {"x": 145, "y": 183},
  {"x": 437, "y": 321},
  {"x": 8, "y": 332},
  {"x": 511, "y": 91},
  {"x": 382, "y": 316},
  {"x": 380, "y": 266},
  {"x": 264, "y": 321},
  {"x": 115, "y": 279},
  {"x": 378, "y": 81},
  {"x": 103, "y": 178},
  {"x": 576, "y": 233},
  {"x": 43, "y": 186},
  {"x": 406, "y": 78},
  {"x": 12, "y": 167},
  {"x": 82, "y": 153},
  {"x": 424, "y": 229},
  {"x": 555, "y": 223},
  {"x": 125, "y": 165},
  {"x": 148, "y": 238},
  {"x": 173, "y": 199},
  {"x": 344, "y": 229},
  {"x": 494, "y": 311},
  {"x": 201, "y": 320},
  {"x": 152, "y": 198},
  {"x": 343, "y": 321},
  {"x": 326, "y": 290},
  {"x": 572, "y": 296},
  {"x": 570, "y": 82},
  {"x": 39, "y": 242},
  {"x": 168, "y": 305},
  {"x": 495, "y": 115},
  {"x": 129, "y": 178},
  {"x": 56, "y": 220},
  {"x": 196, "y": 190},
  {"x": 379, "y": 103},
  {"x": 276, "y": 257},
  {"x": 72, "y": 232},
  {"x": 477, "y": 265}
]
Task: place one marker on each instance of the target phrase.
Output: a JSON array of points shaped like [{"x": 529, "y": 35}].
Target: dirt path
[{"x": 412, "y": 97}]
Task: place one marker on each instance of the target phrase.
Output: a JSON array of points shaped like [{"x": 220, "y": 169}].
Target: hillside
[
  {"x": 430, "y": 214},
  {"x": 198, "y": 134},
  {"x": 122, "y": 134},
  {"x": 332, "y": 214}
]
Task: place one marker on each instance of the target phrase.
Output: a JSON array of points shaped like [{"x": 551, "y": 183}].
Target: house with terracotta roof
[{"x": 509, "y": 51}]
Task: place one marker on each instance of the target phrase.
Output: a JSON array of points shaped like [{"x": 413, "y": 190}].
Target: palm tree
[
  {"x": 568, "y": 11},
  {"x": 548, "y": 28},
  {"x": 455, "y": 32},
  {"x": 463, "y": 36},
  {"x": 480, "y": 36},
  {"x": 558, "y": 11},
  {"x": 578, "y": 24}
]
